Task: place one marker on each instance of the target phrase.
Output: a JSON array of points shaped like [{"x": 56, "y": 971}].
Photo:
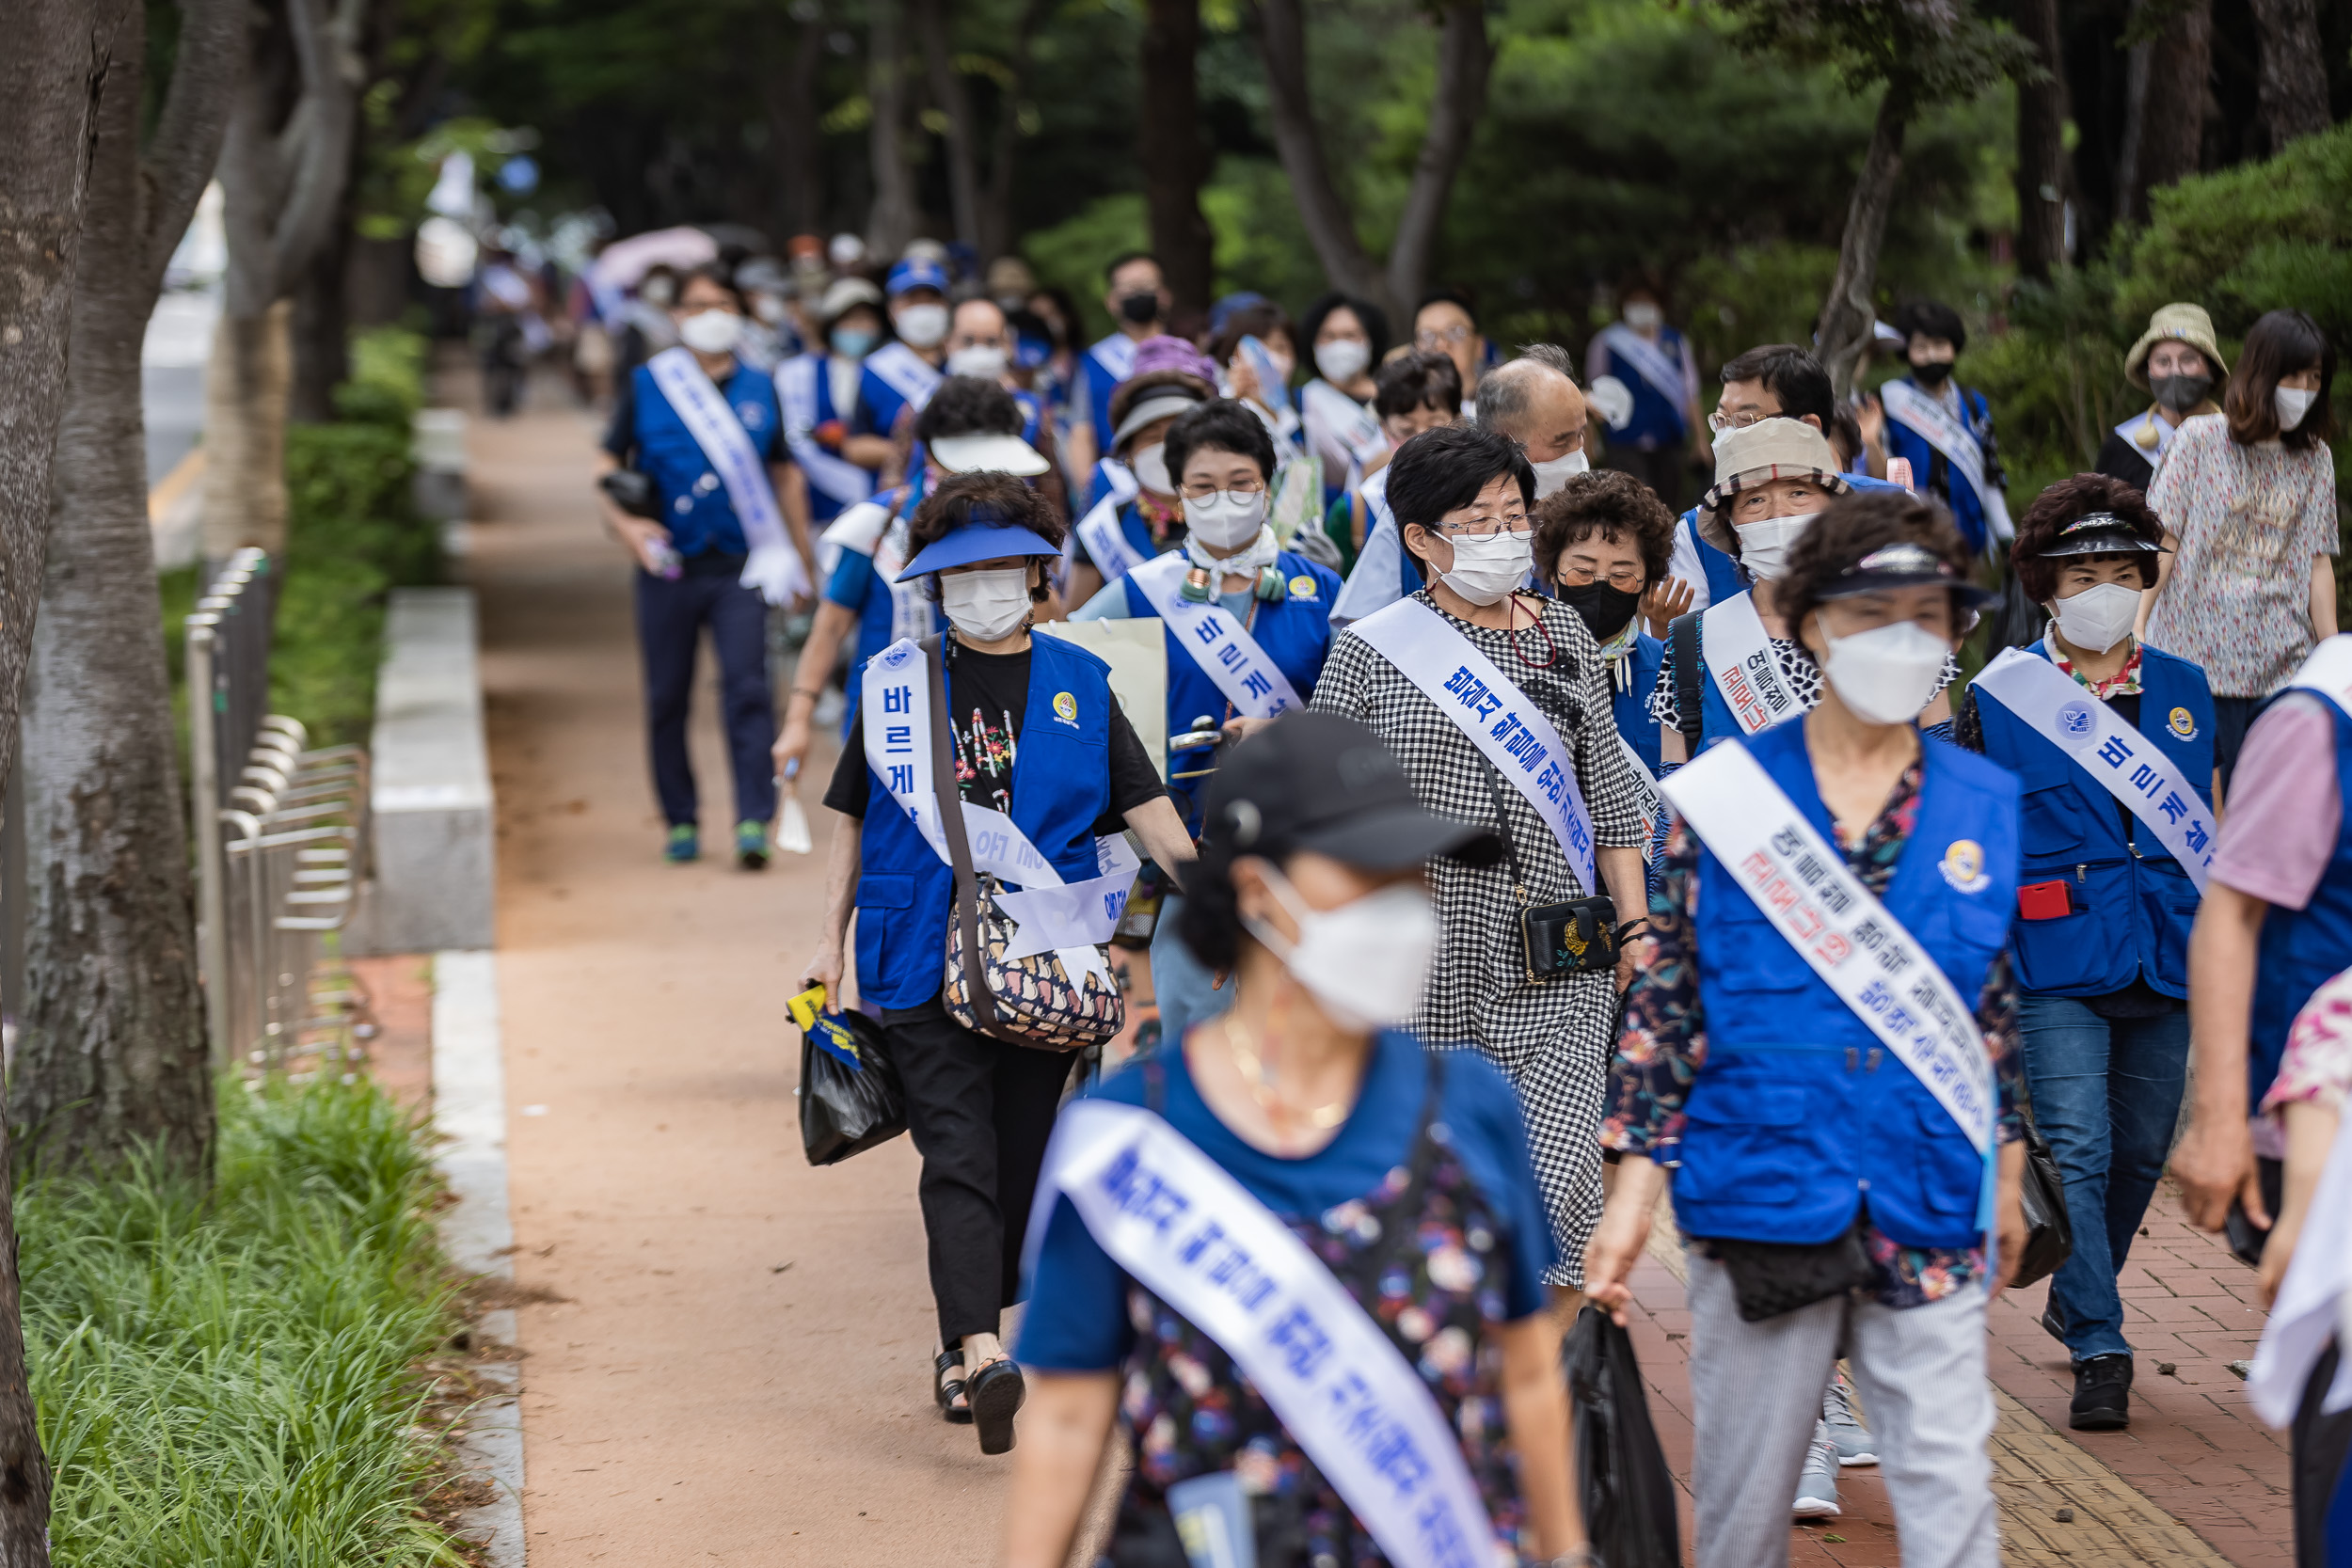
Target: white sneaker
[
  {"x": 1817, "y": 1484},
  {"x": 1852, "y": 1441}
]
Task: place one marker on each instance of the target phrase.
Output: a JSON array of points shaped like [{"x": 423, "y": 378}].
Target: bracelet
[
  {"x": 1584, "y": 1556},
  {"x": 803, "y": 691}
]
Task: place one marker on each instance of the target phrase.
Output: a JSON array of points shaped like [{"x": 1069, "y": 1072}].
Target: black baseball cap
[{"x": 1325, "y": 782}]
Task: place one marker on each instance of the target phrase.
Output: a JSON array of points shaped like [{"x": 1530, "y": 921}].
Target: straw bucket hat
[
  {"x": 1754, "y": 454},
  {"x": 2177, "y": 323}
]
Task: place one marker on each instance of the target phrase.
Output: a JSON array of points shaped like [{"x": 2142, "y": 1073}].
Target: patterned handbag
[{"x": 1031, "y": 1001}]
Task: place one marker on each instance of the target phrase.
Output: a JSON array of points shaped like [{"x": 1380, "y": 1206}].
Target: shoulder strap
[
  {"x": 967, "y": 905},
  {"x": 1690, "y": 683}
]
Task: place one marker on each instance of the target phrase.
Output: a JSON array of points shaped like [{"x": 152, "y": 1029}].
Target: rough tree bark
[
  {"x": 282, "y": 172},
  {"x": 112, "y": 1052},
  {"x": 892, "y": 221},
  {"x": 321, "y": 331},
  {"x": 1281, "y": 34},
  {"x": 2291, "y": 87},
  {"x": 962, "y": 138},
  {"x": 2172, "y": 110},
  {"x": 788, "y": 90},
  {"x": 1168, "y": 145},
  {"x": 2044, "y": 177},
  {"x": 1850, "y": 311},
  {"x": 1464, "y": 58},
  {"x": 996, "y": 209}
]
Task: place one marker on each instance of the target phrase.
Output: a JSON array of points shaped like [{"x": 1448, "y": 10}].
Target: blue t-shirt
[{"x": 1077, "y": 1317}]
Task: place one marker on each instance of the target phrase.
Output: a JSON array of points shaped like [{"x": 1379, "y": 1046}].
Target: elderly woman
[
  {"x": 2179, "y": 365},
  {"x": 1498, "y": 702}
]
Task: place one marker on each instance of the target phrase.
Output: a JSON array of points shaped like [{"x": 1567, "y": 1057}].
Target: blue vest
[
  {"x": 1631, "y": 707},
  {"x": 1658, "y": 420},
  {"x": 822, "y": 508},
  {"x": 2303, "y": 949},
  {"x": 1061, "y": 784},
  {"x": 1799, "y": 1112},
  {"x": 879, "y": 403},
  {"x": 1721, "y": 570},
  {"x": 2134, "y": 904},
  {"x": 1100, "y": 382},
  {"x": 1032, "y": 415},
  {"x": 874, "y": 611},
  {"x": 694, "y": 505},
  {"x": 1976, "y": 417},
  {"x": 1296, "y": 634}
]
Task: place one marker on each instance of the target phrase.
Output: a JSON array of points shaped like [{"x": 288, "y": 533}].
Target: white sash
[
  {"x": 1106, "y": 541},
  {"x": 1650, "y": 362},
  {"x": 905, "y": 373},
  {"x": 2329, "y": 671},
  {"x": 1342, "y": 431},
  {"x": 2055, "y": 707},
  {"x": 1187, "y": 1232},
  {"x": 1373, "y": 584},
  {"x": 1222, "y": 646},
  {"x": 1738, "y": 653},
  {"x": 1647, "y": 799},
  {"x": 1937, "y": 426},
  {"x": 2146, "y": 419},
  {"x": 1843, "y": 933},
  {"x": 775, "y": 566},
  {"x": 910, "y": 617},
  {"x": 803, "y": 405},
  {"x": 1071, "y": 919},
  {"x": 1116, "y": 355},
  {"x": 1495, "y": 714}
]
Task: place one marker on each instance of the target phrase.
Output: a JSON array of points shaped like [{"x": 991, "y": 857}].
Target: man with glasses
[{"x": 1445, "y": 323}]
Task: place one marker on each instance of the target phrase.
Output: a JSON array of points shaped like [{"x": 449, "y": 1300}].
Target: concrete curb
[{"x": 470, "y": 1110}]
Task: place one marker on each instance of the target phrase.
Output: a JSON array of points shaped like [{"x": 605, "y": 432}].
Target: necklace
[{"x": 1262, "y": 1088}]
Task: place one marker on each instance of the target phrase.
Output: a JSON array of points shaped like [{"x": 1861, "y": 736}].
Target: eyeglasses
[
  {"x": 1720, "y": 420},
  {"x": 1487, "y": 527},
  {"x": 1628, "y": 578},
  {"x": 1242, "y": 491},
  {"x": 1437, "y": 338}
]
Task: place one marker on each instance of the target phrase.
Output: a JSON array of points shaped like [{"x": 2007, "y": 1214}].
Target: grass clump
[{"x": 228, "y": 1378}]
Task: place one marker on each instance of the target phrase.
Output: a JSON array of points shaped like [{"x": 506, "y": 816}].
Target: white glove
[
  {"x": 775, "y": 570},
  {"x": 1614, "y": 400}
]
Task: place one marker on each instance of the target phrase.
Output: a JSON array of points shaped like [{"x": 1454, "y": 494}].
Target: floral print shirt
[
  {"x": 1664, "y": 1044},
  {"x": 2317, "y": 1065}
]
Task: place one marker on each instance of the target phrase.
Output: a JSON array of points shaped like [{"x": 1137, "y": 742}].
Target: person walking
[
  {"x": 1653, "y": 362},
  {"x": 705, "y": 431},
  {"x": 1415, "y": 391},
  {"x": 2119, "y": 825},
  {"x": 1496, "y": 702},
  {"x": 1380, "y": 1191},
  {"x": 898, "y": 376},
  {"x": 2248, "y": 501},
  {"x": 1445, "y": 322},
  {"x": 2178, "y": 363},
  {"x": 1035, "y": 736},
  {"x": 818, "y": 390},
  {"x": 1134, "y": 291},
  {"x": 1600, "y": 543},
  {"x": 1134, "y": 512},
  {"x": 1347, "y": 340},
  {"x": 1828, "y": 1151},
  {"x": 1944, "y": 430}
]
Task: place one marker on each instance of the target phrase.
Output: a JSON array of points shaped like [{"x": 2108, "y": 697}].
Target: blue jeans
[
  {"x": 1185, "y": 988},
  {"x": 2107, "y": 1092}
]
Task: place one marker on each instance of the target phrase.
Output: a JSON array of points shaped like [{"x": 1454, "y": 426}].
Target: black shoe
[
  {"x": 996, "y": 1392},
  {"x": 946, "y": 1390},
  {"x": 2103, "y": 1388}
]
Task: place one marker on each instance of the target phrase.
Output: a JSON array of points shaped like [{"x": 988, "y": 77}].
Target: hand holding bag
[{"x": 2049, "y": 1234}]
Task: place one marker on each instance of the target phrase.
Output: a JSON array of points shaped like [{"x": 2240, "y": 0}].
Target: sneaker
[
  {"x": 751, "y": 846},
  {"x": 1816, "y": 1483},
  {"x": 685, "y": 844},
  {"x": 1846, "y": 1433},
  {"x": 2103, "y": 1390}
]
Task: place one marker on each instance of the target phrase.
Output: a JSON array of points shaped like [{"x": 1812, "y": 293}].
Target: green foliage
[
  {"x": 1073, "y": 253},
  {"x": 387, "y": 385},
  {"x": 224, "y": 1379}
]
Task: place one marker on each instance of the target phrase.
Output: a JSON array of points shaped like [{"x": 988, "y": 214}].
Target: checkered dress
[{"x": 1552, "y": 1037}]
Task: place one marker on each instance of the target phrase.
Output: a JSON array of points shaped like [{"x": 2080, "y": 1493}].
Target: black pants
[
  {"x": 2232, "y": 717},
  {"x": 2321, "y": 1445},
  {"x": 671, "y": 615},
  {"x": 981, "y": 1111}
]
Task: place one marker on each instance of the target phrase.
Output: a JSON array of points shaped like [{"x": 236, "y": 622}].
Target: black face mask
[
  {"x": 1605, "y": 607},
  {"x": 1932, "y": 372},
  {"x": 1141, "y": 309},
  {"x": 2181, "y": 393}
]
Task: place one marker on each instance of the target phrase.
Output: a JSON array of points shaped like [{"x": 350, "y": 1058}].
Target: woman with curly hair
[{"x": 1600, "y": 542}]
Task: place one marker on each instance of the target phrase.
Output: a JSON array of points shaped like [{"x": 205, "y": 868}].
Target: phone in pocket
[{"x": 2050, "y": 900}]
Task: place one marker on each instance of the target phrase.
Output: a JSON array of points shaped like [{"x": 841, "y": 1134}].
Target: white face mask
[
  {"x": 1485, "y": 570},
  {"x": 2292, "y": 407},
  {"x": 1552, "y": 477},
  {"x": 1342, "y": 360},
  {"x": 1364, "y": 962},
  {"x": 1150, "y": 466},
  {"x": 986, "y": 607},
  {"x": 712, "y": 331},
  {"x": 1885, "y": 675},
  {"x": 1226, "y": 521},
  {"x": 985, "y": 360},
  {"x": 768, "y": 308},
  {"x": 1764, "y": 547},
  {"x": 2099, "y": 617},
  {"x": 1644, "y": 317},
  {"x": 921, "y": 325}
]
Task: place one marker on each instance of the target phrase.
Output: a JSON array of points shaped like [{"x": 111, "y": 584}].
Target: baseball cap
[
  {"x": 916, "y": 272},
  {"x": 845, "y": 295},
  {"x": 1326, "y": 783}
]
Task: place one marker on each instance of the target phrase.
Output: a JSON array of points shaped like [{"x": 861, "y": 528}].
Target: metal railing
[{"x": 282, "y": 835}]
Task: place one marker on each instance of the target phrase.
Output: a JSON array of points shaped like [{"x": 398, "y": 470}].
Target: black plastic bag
[
  {"x": 850, "y": 1098},
  {"x": 2049, "y": 1234},
  {"x": 1627, "y": 1491}
]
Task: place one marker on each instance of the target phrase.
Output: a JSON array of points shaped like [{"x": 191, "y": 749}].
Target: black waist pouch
[{"x": 1772, "y": 1277}]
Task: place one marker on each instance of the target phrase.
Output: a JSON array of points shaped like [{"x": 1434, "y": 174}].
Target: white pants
[{"x": 1755, "y": 1391}]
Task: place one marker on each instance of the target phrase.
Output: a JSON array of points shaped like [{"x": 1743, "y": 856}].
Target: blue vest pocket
[
  {"x": 2053, "y": 828},
  {"x": 1748, "y": 1141},
  {"x": 2169, "y": 903},
  {"x": 1949, "y": 1170},
  {"x": 879, "y": 893},
  {"x": 2090, "y": 951}
]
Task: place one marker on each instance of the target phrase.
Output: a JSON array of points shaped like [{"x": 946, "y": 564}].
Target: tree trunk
[
  {"x": 247, "y": 385},
  {"x": 1169, "y": 145},
  {"x": 964, "y": 175},
  {"x": 893, "y": 220},
  {"x": 1004, "y": 154},
  {"x": 790, "y": 96},
  {"x": 1850, "y": 311},
  {"x": 2173, "y": 115},
  {"x": 322, "y": 328},
  {"x": 2293, "y": 85},
  {"x": 1464, "y": 58},
  {"x": 1282, "y": 30},
  {"x": 2045, "y": 180}
]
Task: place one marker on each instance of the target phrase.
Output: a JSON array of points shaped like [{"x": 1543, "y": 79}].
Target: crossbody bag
[{"x": 1574, "y": 936}]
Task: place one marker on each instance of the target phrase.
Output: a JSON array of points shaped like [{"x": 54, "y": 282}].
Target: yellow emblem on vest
[
  {"x": 1065, "y": 707},
  {"x": 1963, "y": 865},
  {"x": 1302, "y": 587}
]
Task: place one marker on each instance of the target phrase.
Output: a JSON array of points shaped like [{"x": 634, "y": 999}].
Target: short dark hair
[
  {"x": 712, "y": 272},
  {"x": 1934, "y": 319},
  {"x": 1417, "y": 378},
  {"x": 1447, "y": 296},
  {"x": 968, "y": 406},
  {"x": 1126, "y": 256},
  {"x": 1617, "y": 506},
  {"x": 950, "y": 507},
  {"x": 2277, "y": 346},
  {"x": 1261, "y": 321},
  {"x": 2061, "y": 504},
  {"x": 1374, "y": 320},
  {"x": 1442, "y": 470},
  {"x": 1851, "y": 528},
  {"x": 1224, "y": 425},
  {"x": 1791, "y": 375}
]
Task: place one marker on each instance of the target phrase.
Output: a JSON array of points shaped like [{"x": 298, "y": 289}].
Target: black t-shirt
[{"x": 987, "y": 695}]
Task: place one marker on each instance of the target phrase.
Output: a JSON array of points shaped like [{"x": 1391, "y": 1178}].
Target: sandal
[
  {"x": 946, "y": 1390},
  {"x": 996, "y": 1392}
]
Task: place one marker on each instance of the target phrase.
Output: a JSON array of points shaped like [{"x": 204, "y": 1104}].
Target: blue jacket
[
  {"x": 2303, "y": 949},
  {"x": 1631, "y": 707},
  {"x": 1060, "y": 784},
  {"x": 1721, "y": 571},
  {"x": 694, "y": 505},
  {"x": 1658, "y": 420},
  {"x": 2133, "y": 902},
  {"x": 1976, "y": 415},
  {"x": 1799, "y": 1112}
]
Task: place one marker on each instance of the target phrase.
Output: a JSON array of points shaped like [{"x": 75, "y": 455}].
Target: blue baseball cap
[
  {"x": 916, "y": 272},
  {"x": 984, "y": 538}
]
